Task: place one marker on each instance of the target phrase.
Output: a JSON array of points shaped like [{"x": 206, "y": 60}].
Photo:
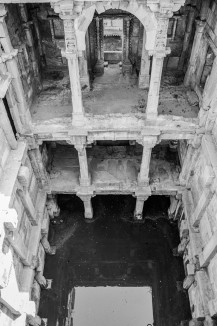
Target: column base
[{"x": 99, "y": 68}]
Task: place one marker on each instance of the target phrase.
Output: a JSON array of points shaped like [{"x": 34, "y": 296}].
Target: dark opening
[
  {"x": 114, "y": 252},
  {"x": 9, "y": 116}
]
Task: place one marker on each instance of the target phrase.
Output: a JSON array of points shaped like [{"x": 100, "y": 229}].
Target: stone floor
[
  {"x": 112, "y": 251},
  {"x": 111, "y": 93}
]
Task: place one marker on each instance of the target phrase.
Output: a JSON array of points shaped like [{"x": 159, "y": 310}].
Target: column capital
[
  {"x": 68, "y": 9},
  {"x": 165, "y": 5},
  {"x": 77, "y": 141},
  {"x": 147, "y": 142}
]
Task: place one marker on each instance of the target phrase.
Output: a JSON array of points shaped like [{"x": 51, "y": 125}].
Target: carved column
[
  {"x": 144, "y": 77},
  {"x": 99, "y": 67},
  {"x": 88, "y": 210},
  {"x": 38, "y": 167},
  {"x": 157, "y": 65},
  {"x": 143, "y": 177},
  {"x": 138, "y": 212},
  {"x": 9, "y": 57},
  {"x": 190, "y": 74},
  {"x": 40, "y": 45},
  {"x": 82, "y": 156},
  {"x": 126, "y": 65},
  {"x": 84, "y": 75},
  {"x": 27, "y": 27},
  {"x": 154, "y": 88},
  {"x": 207, "y": 114},
  {"x": 71, "y": 54},
  {"x": 187, "y": 38}
]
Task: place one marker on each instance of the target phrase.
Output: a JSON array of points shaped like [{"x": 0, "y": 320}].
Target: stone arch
[{"x": 143, "y": 13}]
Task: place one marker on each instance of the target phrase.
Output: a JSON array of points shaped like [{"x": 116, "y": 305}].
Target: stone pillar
[
  {"x": 126, "y": 65},
  {"x": 40, "y": 45},
  {"x": 190, "y": 74},
  {"x": 207, "y": 113},
  {"x": 99, "y": 67},
  {"x": 38, "y": 167},
  {"x": 88, "y": 210},
  {"x": 187, "y": 38},
  {"x": 71, "y": 54},
  {"x": 27, "y": 27},
  {"x": 138, "y": 216},
  {"x": 84, "y": 75},
  {"x": 84, "y": 174},
  {"x": 154, "y": 88},
  {"x": 159, "y": 53},
  {"x": 143, "y": 176},
  {"x": 144, "y": 77},
  {"x": 9, "y": 57},
  {"x": 210, "y": 89}
]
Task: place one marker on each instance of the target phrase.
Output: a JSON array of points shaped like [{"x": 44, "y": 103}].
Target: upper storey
[{"x": 105, "y": 66}]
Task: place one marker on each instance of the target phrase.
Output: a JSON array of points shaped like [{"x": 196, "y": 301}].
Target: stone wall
[
  {"x": 24, "y": 221},
  {"x": 4, "y": 151},
  {"x": 24, "y": 38}
]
